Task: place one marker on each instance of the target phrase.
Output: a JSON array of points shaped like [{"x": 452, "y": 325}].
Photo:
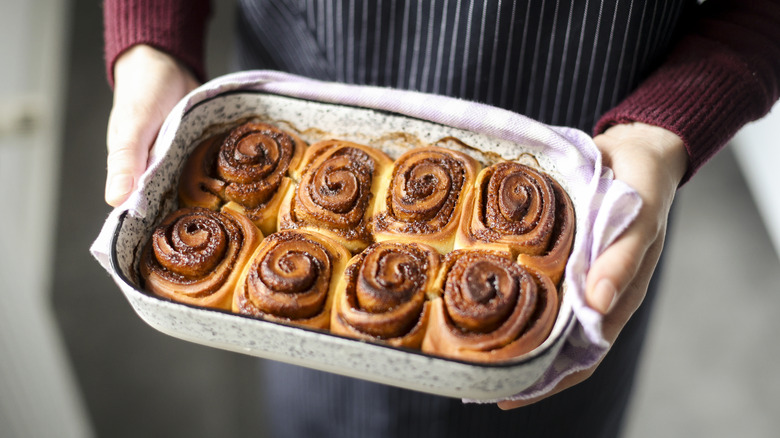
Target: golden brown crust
[
  {"x": 521, "y": 210},
  {"x": 383, "y": 295},
  {"x": 291, "y": 278},
  {"x": 552, "y": 262},
  {"x": 248, "y": 166},
  {"x": 195, "y": 255},
  {"x": 336, "y": 192},
  {"x": 423, "y": 199},
  {"x": 492, "y": 309}
]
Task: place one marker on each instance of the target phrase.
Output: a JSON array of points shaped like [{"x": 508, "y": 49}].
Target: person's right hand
[
  {"x": 147, "y": 85},
  {"x": 652, "y": 161}
]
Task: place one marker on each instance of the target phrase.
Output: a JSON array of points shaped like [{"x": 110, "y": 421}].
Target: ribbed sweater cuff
[
  {"x": 703, "y": 94},
  {"x": 176, "y": 27}
]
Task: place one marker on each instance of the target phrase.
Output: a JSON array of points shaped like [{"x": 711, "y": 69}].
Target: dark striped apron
[{"x": 563, "y": 62}]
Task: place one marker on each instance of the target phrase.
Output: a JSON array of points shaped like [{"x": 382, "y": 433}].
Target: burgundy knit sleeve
[
  {"x": 721, "y": 76},
  {"x": 176, "y": 27}
]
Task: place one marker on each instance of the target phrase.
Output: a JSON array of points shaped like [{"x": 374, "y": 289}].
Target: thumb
[{"x": 615, "y": 269}]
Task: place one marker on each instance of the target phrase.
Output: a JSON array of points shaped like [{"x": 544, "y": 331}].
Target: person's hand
[
  {"x": 653, "y": 161},
  {"x": 147, "y": 85}
]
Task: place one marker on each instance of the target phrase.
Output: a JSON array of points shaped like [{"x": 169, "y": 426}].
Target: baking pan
[{"x": 321, "y": 350}]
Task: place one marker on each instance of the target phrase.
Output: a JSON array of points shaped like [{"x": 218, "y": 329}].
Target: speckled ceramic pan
[{"x": 311, "y": 348}]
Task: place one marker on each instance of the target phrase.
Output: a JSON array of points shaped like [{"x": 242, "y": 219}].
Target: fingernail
[
  {"x": 604, "y": 296},
  {"x": 119, "y": 186}
]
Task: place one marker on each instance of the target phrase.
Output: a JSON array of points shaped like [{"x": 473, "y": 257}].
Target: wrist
[
  {"x": 145, "y": 71},
  {"x": 664, "y": 149},
  {"x": 142, "y": 60}
]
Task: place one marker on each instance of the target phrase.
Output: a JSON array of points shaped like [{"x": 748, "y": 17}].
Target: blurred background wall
[
  {"x": 38, "y": 395},
  {"x": 76, "y": 361}
]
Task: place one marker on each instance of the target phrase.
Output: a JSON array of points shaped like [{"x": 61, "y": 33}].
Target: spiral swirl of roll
[
  {"x": 519, "y": 202},
  {"x": 492, "y": 308},
  {"x": 249, "y": 166},
  {"x": 424, "y": 197},
  {"x": 519, "y": 209},
  {"x": 425, "y": 187},
  {"x": 290, "y": 279},
  {"x": 384, "y": 294},
  {"x": 337, "y": 187},
  {"x": 195, "y": 254},
  {"x": 253, "y": 159},
  {"x": 336, "y": 191}
]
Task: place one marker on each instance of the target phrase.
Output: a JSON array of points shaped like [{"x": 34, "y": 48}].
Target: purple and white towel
[{"x": 609, "y": 205}]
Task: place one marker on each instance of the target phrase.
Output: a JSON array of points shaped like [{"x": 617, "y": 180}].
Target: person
[{"x": 662, "y": 85}]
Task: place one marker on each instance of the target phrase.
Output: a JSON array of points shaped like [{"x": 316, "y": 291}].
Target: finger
[{"x": 131, "y": 131}]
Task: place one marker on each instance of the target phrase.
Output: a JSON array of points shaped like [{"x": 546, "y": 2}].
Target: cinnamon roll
[
  {"x": 196, "y": 255},
  {"x": 521, "y": 210},
  {"x": 423, "y": 199},
  {"x": 384, "y": 294},
  {"x": 492, "y": 309},
  {"x": 336, "y": 192},
  {"x": 247, "y": 166},
  {"x": 291, "y": 278}
]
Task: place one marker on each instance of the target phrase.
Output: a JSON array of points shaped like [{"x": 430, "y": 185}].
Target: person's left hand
[{"x": 653, "y": 161}]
